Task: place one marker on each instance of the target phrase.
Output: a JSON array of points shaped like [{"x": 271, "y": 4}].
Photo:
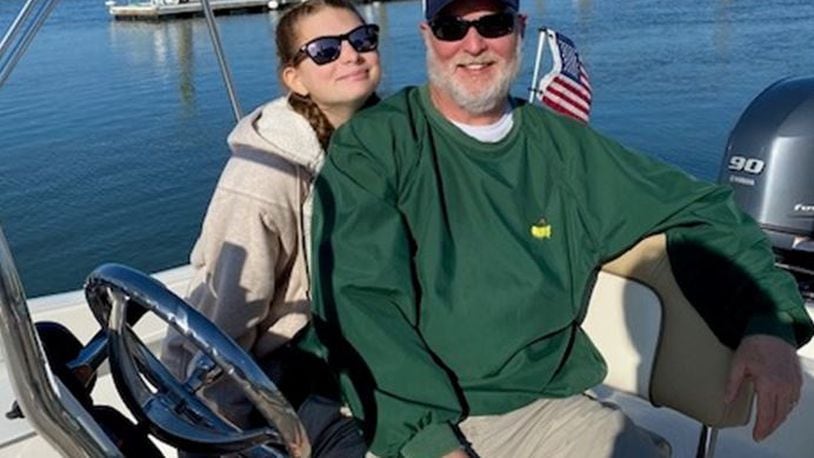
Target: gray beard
[{"x": 485, "y": 99}]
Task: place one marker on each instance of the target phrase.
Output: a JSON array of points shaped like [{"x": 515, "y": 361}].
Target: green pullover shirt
[{"x": 451, "y": 276}]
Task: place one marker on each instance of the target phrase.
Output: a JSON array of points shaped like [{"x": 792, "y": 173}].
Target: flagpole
[{"x": 540, "y": 47}]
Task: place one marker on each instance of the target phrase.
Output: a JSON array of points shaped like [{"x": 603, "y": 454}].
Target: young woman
[{"x": 250, "y": 261}]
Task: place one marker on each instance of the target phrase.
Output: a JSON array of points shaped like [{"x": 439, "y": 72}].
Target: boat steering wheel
[{"x": 171, "y": 409}]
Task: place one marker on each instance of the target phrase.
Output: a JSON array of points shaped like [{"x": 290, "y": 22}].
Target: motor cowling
[{"x": 769, "y": 163}]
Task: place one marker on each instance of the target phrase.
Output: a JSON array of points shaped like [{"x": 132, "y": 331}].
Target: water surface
[{"x": 112, "y": 134}]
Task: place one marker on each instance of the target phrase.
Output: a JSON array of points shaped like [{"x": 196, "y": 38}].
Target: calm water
[{"x": 112, "y": 134}]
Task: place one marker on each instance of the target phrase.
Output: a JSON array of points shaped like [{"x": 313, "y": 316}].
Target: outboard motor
[{"x": 769, "y": 162}]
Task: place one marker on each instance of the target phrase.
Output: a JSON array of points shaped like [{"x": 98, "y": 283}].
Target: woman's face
[{"x": 343, "y": 83}]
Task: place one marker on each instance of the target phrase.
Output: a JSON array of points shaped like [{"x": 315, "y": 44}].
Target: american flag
[{"x": 566, "y": 88}]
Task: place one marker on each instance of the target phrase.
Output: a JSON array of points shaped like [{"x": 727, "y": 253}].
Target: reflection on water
[
  {"x": 186, "y": 62},
  {"x": 721, "y": 32},
  {"x": 113, "y": 133},
  {"x": 533, "y": 8},
  {"x": 374, "y": 12},
  {"x": 165, "y": 46},
  {"x": 584, "y": 13}
]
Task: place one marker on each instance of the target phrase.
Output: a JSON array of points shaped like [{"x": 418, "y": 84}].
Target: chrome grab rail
[
  {"x": 46, "y": 403},
  {"x": 224, "y": 66},
  {"x": 20, "y": 34}
]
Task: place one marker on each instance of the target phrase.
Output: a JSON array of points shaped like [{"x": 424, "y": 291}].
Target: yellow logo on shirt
[{"x": 541, "y": 229}]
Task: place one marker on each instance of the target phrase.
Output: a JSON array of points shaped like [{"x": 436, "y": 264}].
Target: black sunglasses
[
  {"x": 449, "y": 28},
  {"x": 323, "y": 50}
]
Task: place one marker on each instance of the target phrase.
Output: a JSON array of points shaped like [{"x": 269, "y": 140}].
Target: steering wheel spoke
[
  {"x": 204, "y": 373},
  {"x": 171, "y": 394}
]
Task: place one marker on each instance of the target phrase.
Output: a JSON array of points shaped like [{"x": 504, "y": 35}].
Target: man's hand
[
  {"x": 458, "y": 453},
  {"x": 774, "y": 368}
]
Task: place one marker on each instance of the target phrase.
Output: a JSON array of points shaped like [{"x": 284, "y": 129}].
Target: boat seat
[{"x": 657, "y": 346}]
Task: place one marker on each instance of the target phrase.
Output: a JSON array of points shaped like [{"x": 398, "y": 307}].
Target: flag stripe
[
  {"x": 569, "y": 97},
  {"x": 559, "y": 86},
  {"x": 574, "y": 86},
  {"x": 583, "y": 79},
  {"x": 564, "y": 106}
]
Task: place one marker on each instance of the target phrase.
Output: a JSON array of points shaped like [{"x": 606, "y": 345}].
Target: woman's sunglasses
[
  {"x": 324, "y": 50},
  {"x": 449, "y": 28}
]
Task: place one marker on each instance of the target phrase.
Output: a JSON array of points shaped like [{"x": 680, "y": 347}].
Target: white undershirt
[{"x": 490, "y": 133}]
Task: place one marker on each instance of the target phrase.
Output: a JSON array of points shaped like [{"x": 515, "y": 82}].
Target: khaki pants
[
  {"x": 579, "y": 426},
  {"x": 575, "y": 427}
]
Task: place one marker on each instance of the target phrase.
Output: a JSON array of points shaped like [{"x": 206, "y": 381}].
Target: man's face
[{"x": 475, "y": 72}]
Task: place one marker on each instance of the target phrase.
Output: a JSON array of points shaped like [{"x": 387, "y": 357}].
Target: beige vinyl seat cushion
[{"x": 656, "y": 344}]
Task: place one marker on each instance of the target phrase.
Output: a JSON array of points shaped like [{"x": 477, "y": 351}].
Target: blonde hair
[{"x": 286, "y": 38}]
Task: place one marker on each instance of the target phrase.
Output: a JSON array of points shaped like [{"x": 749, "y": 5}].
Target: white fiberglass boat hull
[{"x": 626, "y": 343}]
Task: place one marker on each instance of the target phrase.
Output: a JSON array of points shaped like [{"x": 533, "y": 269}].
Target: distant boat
[{"x": 161, "y": 9}]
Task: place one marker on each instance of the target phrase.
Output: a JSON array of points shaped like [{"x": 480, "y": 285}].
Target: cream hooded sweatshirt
[{"x": 250, "y": 276}]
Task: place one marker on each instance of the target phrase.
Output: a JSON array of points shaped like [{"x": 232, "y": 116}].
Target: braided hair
[{"x": 286, "y": 37}]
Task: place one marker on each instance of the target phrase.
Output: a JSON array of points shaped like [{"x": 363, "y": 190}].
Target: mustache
[{"x": 487, "y": 58}]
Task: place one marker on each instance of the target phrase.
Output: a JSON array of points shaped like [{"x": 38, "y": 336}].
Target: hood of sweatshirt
[{"x": 277, "y": 129}]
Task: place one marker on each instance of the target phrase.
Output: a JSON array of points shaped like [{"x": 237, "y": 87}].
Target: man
[{"x": 454, "y": 325}]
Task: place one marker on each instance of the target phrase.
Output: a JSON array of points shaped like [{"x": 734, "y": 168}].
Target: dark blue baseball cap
[{"x": 433, "y": 7}]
